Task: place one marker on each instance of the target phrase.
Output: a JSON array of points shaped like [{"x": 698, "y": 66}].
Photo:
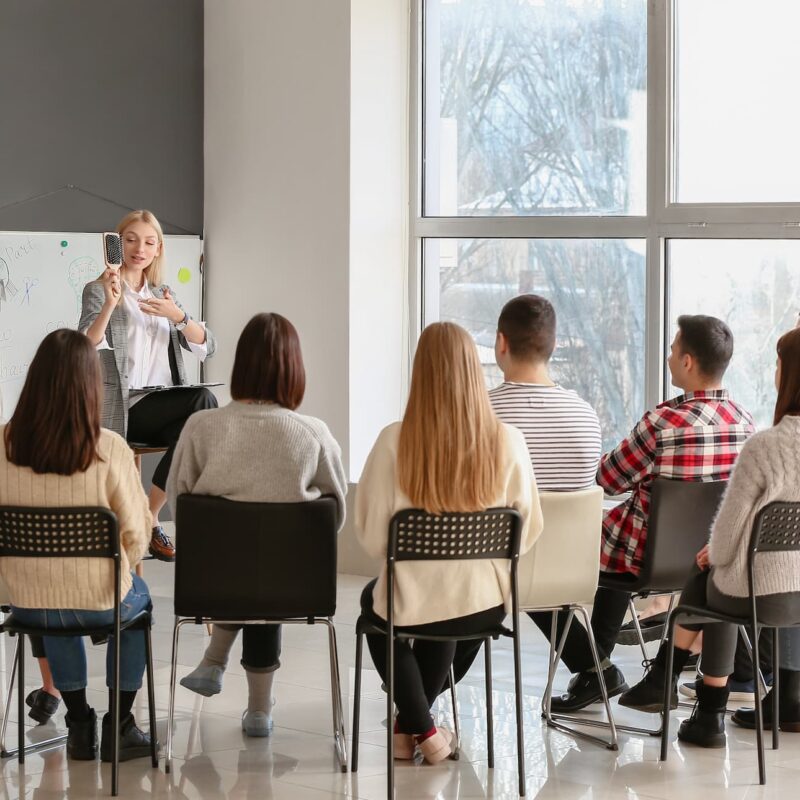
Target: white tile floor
[{"x": 214, "y": 760}]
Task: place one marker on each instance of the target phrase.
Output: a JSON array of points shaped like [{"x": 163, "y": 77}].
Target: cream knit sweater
[
  {"x": 768, "y": 469},
  {"x": 431, "y": 591},
  {"x": 84, "y": 583}
]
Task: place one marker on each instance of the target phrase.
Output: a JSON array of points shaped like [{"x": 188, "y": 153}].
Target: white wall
[{"x": 277, "y": 186}]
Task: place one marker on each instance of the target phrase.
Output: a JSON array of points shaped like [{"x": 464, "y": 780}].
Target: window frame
[{"x": 664, "y": 219}]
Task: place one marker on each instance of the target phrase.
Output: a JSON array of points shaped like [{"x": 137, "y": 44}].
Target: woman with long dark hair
[{"x": 56, "y": 454}]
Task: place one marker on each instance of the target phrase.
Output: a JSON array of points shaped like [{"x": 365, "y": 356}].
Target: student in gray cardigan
[
  {"x": 767, "y": 470},
  {"x": 257, "y": 449}
]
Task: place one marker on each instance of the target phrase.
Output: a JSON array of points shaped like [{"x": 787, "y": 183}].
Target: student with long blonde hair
[{"x": 449, "y": 453}]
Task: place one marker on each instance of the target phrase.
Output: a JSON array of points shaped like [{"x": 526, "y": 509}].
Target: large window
[{"x": 631, "y": 161}]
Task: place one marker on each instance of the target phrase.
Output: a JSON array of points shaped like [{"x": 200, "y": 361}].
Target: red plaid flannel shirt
[{"x": 694, "y": 437}]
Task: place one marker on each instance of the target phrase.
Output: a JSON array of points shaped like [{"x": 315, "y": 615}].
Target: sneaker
[
  {"x": 652, "y": 630},
  {"x": 584, "y": 689},
  {"x": 257, "y": 723},
  {"x": 741, "y": 691},
  {"x": 133, "y": 742},
  {"x": 437, "y": 747},
  {"x": 43, "y": 705},
  {"x": 206, "y": 681},
  {"x": 160, "y": 545}
]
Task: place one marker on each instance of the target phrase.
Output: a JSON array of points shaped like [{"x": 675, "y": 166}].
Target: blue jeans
[{"x": 66, "y": 655}]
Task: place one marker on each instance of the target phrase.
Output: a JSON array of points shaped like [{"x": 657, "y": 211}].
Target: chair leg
[
  {"x": 151, "y": 695},
  {"x": 487, "y": 654},
  {"x": 115, "y": 722},
  {"x": 21, "y": 698},
  {"x": 389, "y": 713},
  {"x": 775, "y": 689},
  {"x": 171, "y": 709},
  {"x": 553, "y": 657},
  {"x": 637, "y": 625},
  {"x": 7, "y": 704},
  {"x": 356, "y": 700},
  {"x": 762, "y": 771},
  {"x": 518, "y": 698},
  {"x": 339, "y": 739},
  {"x": 456, "y": 724},
  {"x": 667, "y": 690}
]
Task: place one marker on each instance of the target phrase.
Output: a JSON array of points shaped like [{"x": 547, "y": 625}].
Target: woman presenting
[{"x": 140, "y": 330}]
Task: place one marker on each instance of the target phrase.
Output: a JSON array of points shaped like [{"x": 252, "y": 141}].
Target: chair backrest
[
  {"x": 681, "y": 515},
  {"x": 240, "y": 560},
  {"x": 416, "y": 535},
  {"x": 776, "y": 529},
  {"x": 564, "y": 564}
]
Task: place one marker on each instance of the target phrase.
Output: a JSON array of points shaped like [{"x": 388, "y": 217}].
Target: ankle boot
[
  {"x": 706, "y": 726},
  {"x": 82, "y": 737},
  {"x": 648, "y": 694},
  {"x": 788, "y": 705},
  {"x": 133, "y": 742}
]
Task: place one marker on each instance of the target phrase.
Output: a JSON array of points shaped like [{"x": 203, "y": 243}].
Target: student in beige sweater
[
  {"x": 257, "y": 449},
  {"x": 55, "y": 454},
  {"x": 450, "y": 453},
  {"x": 767, "y": 470}
]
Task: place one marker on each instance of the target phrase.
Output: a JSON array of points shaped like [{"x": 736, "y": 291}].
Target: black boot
[
  {"x": 133, "y": 742},
  {"x": 648, "y": 694},
  {"x": 82, "y": 737},
  {"x": 706, "y": 726},
  {"x": 788, "y": 705}
]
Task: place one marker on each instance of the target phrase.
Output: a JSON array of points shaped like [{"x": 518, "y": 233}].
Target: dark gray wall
[{"x": 105, "y": 96}]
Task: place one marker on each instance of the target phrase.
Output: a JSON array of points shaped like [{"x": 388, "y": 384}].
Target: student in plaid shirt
[{"x": 693, "y": 437}]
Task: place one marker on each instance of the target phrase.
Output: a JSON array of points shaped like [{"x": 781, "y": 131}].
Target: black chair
[
  {"x": 416, "y": 535},
  {"x": 776, "y": 529},
  {"x": 74, "y": 532},
  {"x": 678, "y": 526},
  {"x": 257, "y": 563}
]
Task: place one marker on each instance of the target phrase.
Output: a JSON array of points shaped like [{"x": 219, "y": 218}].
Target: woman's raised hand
[
  {"x": 112, "y": 288},
  {"x": 162, "y": 307}
]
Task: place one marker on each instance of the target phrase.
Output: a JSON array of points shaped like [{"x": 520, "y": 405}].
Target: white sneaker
[
  {"x": 206, "y": 681},
  {"x": 257, "y": 723}
]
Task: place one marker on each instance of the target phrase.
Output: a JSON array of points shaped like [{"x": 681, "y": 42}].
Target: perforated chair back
[
  {"x": 65, "y": 532},
  {"x": 255, "y": 561},
  {"x": 679, "y": 524},
  {"x": 563, "y": 566},
  {"x": 776, "y": 529}
]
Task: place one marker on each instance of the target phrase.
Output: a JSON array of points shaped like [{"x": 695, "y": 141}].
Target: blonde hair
[
  {"x": 153, "y": 273},
  {"x": 448, "y": 456}
]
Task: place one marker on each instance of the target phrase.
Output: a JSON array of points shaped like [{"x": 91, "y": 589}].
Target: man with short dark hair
[
  {"x": 694, "y": 437},
  {"x": 561, "y": 430}
]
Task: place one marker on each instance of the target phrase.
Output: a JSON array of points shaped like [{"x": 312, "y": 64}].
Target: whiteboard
[{"x": 42, "y": 276}]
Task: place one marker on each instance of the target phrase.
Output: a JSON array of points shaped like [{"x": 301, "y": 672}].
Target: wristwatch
[{"x": 179, "y": 326}]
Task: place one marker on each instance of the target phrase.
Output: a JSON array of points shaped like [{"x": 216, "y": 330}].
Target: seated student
[
  {"x": 768, "y": 470},
  {"x": 257, "y": 449},
  {"x": 561, "y": 430},
  {"x": 693, "y": 437},
  {"x": 449, "y": 453},
  {"x": 56, "y": 454}
]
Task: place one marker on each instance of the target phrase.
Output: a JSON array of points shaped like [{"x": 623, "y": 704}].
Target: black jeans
[
  {"x": 420, "y": 670},
  {"x": 158, "y": 419},
  {"x": 261, "y": 646}
]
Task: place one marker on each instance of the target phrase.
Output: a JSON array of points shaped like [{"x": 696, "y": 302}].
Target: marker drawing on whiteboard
[
  {"x": 7, "y": 288},
  {"x": 30, "y": 284},
  {"x": 79, "y": 273}
]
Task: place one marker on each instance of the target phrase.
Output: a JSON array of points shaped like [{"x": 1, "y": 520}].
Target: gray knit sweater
[
  {"x": 257, "y": 453},
  {"x": 768, "y": 469}
]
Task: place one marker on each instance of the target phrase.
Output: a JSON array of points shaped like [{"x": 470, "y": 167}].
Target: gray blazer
[{"x": 114, "y": 362}]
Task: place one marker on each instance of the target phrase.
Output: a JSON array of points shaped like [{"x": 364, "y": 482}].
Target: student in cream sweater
[
  {"x": 450, "y": 453},
  {"x": 55, "y": 453},
  {"x": 256, "y": 449},
  {"x": 767, "y": 470}
]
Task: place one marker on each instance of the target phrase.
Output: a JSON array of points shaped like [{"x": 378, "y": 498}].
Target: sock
[
  {"x": 427, "y": 735},
  {"x": 219, "y": 647},
  {"x": 604, "y": 665},
  {"x": 77, "y": 707},
  {"x": 259, "y": 687},
  {"x": 126, "y": 700}
]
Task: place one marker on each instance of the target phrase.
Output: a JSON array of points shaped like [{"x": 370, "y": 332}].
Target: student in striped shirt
[{"x": 562, "y": 431}]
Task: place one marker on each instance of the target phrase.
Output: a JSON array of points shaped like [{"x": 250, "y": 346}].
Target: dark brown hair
[
  {"x": 529, "y": 324},
  {"x": 268, "y": 364},
  {"x": 788, "y": 402},
  {"x": 708, "y": 340},
  {"x": 56, "y": 424}
]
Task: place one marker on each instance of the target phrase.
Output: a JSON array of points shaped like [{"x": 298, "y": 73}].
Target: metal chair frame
[
  {"x": 84, "y": 532},
  {"x": 776, "y": 528},
  {"x": 416, "y": 535}
]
